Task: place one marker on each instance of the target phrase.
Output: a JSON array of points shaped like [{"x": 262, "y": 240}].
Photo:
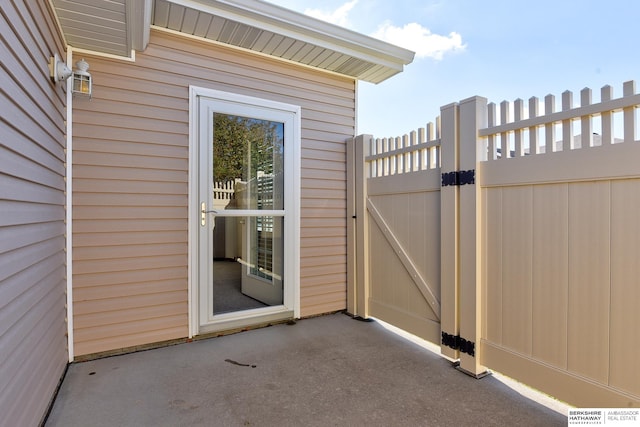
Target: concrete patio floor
[{"x": 323, "y": 371}]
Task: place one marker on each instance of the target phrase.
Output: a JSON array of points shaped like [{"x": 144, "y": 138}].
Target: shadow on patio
[{"x": 328, "y": 370}]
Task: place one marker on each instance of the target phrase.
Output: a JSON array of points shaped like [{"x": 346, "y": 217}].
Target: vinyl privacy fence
[{"x": 510, "y": 236}]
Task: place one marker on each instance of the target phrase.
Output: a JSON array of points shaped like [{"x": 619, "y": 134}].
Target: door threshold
[{"x": 246, "y": 318}]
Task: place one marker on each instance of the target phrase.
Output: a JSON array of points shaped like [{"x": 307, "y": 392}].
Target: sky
[{"x": 499, "y": 49}]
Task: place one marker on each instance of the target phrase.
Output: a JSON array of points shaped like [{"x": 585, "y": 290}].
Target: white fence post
[
  {"x": 358, "y": 226},
  {"x": 473, "y": 116},
  {"x": 449, "y": 230},
  {"x": 460, "y": 231},
  {"x": 352, "y": 238}
]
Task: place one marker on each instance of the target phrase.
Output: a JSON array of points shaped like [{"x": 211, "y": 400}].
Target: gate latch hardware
[{"x": 457, "y": 343}]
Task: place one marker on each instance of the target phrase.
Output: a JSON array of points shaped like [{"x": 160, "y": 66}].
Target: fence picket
[
  {"x": 393, "y": 160},
  {"x": 567, "y": 124},
  {"x": 505, "y": 147},
  {"x": 518, "y": 111},
  {"x": 397, "y": 159},
  {"x": 491, "y": 113},
  {"x": 437, "y": 151},
  {"x": 534, "y": 111},
  {"x": 407, "y": 164},
  {"x": 549, "y": 128},
  {"x": 224, "y": 190},
  {"x": 586, "y": 127},
  {"x": 415, "y": 155},
  {"x": 606, "y": 94},
  {"x": 372, "y": 167},
  {"x": 629, "y": 89},
  {"x": 433, "y": 132},
  {"x": 384, "y": 148},
  {"x": 423, "y": 154}
]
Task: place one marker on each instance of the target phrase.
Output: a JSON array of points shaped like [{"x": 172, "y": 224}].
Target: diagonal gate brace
[{"x": 421, "y": 284}]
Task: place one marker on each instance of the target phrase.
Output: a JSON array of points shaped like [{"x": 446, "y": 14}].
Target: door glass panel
[
  {"x": 248, "y": 264},
  {"x": 248, "y": 163},
  {"x": 247, "y": 248}
]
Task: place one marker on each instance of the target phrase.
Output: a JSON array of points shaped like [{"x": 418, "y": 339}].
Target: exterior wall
[
  {"x": 130, "y": 185},
  {"x": 33, "y": 346}
]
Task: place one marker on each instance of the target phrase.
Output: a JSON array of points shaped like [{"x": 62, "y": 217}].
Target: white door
[{"x": 247, "y": 156}]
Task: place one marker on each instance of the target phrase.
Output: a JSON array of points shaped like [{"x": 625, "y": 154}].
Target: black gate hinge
[
  {"x": 459, "y": 178},
  {"x": 457, "y": 343}
]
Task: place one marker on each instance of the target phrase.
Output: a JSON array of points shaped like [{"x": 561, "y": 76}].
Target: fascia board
[{"x": 304, "y": 28}]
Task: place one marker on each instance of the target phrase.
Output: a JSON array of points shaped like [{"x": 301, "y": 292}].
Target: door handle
[{"x": 204, "y": 212}]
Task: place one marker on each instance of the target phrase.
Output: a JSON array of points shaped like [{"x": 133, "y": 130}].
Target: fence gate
[
  {"x": 397, "y": 221},
  {"x": 412, "y": 236},
  {"x": 512, "y": 242}
]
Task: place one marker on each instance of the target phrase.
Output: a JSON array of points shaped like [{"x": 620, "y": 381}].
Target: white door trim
[{"x": 292, "y": 200}]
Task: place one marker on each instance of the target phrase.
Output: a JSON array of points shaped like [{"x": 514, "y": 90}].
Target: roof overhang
[
  {"x": 118, "y": 27},
  {"x": 112, "y": 27}
]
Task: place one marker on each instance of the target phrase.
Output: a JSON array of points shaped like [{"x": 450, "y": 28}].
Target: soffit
[
  {"x": 114, "y": 27},
  {"x": 271, "y": 30},
  {"x": 119, "y": 26}
]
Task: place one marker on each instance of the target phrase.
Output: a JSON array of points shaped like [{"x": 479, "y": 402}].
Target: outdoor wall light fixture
[
  {"x": 82, "y": 79},
  {"x": 59, "y": 71}
]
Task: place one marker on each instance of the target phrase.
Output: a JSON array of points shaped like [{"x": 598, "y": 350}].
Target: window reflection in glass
[{"x": 248, "y": 163}]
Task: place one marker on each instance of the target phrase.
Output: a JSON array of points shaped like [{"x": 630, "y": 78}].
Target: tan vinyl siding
[
  {"x": 131, "y": 158},
  {"x": 33, "y": 345}
]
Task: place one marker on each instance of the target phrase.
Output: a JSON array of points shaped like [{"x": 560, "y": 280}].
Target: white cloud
[
  {"x": 419, "y": 39},
  {"x": 338, "y": 16},
  {"x": 412, "y": 36}
]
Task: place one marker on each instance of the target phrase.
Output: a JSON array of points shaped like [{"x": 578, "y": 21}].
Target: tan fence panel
[
  {"x": 624, "y": 340},
  {"x": 560, "y": 251}
]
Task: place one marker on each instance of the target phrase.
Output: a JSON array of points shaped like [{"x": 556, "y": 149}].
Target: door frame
[{"x": 292, "y": 215}]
